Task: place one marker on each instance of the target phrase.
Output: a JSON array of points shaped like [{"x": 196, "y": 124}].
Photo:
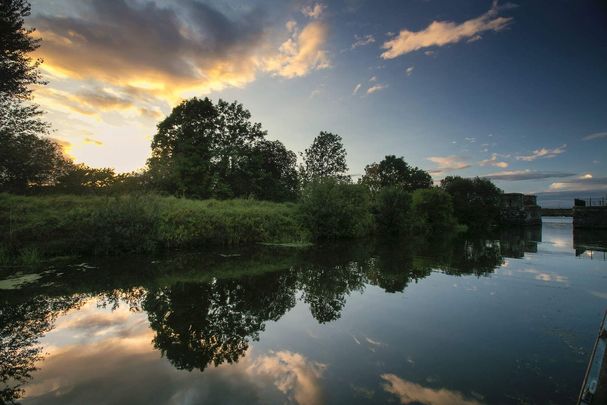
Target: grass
[{"x": 51, "y": 225}]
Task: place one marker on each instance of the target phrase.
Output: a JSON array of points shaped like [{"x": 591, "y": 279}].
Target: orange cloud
[
  {"x": 440, "y": 33},
  {"x": 411, "y": 393}
]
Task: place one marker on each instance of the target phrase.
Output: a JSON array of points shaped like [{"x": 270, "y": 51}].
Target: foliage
[
  {"x": 325, "y": 158},
  {"x": 113, "y": 225},
  {"x": 27, "y": 159},
  {"x": 17, "y": 69},
  {"x": 475, "y": 201},
  {"x": 392, "y": 211},
  {"x": 393, "y": 171},
  {"x": 432, "y": 209},
  {"x": 333, "y": 210},
  {"x": 213, "y": 150}
]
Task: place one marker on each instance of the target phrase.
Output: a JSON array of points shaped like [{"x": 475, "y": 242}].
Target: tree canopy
[
  {"x": 475, "y": 201},
  {"x": 208, "y": 150},
  {"x": 325, "y": 158},
  {"x": 395, "y": 172}
]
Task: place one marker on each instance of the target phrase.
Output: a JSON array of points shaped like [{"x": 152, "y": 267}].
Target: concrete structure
[
  {"x": 590, "y": 217},
  {"x": 520, "y": 209}
]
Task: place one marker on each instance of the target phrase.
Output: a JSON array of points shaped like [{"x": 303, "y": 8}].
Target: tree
[
  {"x": 326, "y": 157},
  {"x": 26, "y": 158},
  {"x": 271, "y": 172},
  {"x": 475, "y": 201},
  {"x": 395, "y": 172},
  {"x": 433, "y": 209},
  {"x": 17, "y": 69},
  {"x": 201, "y": 148}
]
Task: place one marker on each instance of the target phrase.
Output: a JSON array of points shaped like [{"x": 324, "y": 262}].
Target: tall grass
[{"x": 111, "y": 225}]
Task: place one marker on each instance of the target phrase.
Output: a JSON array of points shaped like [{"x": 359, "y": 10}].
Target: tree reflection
[
  {"x": 22, "y": 324},
  {"x": 198, "y": 324}
]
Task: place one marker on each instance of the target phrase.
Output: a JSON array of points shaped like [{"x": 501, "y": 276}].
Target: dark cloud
[
  {"x": 518, "y": 175},
  {"x": 123, "y": 39}
]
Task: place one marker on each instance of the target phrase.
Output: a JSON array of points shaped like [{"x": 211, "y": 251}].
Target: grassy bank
[{"x": 54, "y": 225}]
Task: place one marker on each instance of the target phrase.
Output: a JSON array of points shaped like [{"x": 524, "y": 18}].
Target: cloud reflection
[{"x": 411, "y": 393}]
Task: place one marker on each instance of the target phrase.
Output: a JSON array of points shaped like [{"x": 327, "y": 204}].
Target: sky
[{"x": 514, "y": 91}]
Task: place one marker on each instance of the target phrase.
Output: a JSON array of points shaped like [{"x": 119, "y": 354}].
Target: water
[{"x": 509, "y": 319}]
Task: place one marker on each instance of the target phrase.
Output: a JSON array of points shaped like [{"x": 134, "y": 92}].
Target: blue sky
[{"x": 510, "y": 90}]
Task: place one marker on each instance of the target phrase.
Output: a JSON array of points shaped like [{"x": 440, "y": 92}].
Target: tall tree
[
  {"x": 200, "y": 146},
  {"x": 27, "y": 157},
  {"x": 475, "y": 201},
  {"x": 326, "y": 157},
  {"x": 17, "y": 69},
  {"x": 395, "y": 172}
]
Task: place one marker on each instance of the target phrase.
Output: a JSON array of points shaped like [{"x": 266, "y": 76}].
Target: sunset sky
[{"x": 513, "y": 91}]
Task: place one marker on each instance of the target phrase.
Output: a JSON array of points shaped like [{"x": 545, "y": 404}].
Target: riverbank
[{"x": 68, "y": 225}]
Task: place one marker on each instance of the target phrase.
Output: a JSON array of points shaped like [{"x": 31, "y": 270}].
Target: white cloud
[
  {"x": 492, "y": 161},
  {"x": 375, "y": 88},
  {"x": 373, "y": 79},
  {"x": 597, "y": 135},
  {"x": 362, "y": 40},
  {"x": 314, "y": 11},
  {"x": 440, "y": 33},
  {"x": 544, "y": 153},
  {"x": 409, "y": 70},
  {"x": 356, "y": 88},
  {"x": 581, "y": 184},
  {"x": 447, "y": 164}
]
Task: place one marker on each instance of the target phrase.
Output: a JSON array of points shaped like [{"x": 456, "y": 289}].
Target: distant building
[{"x": 520, "y": 209}]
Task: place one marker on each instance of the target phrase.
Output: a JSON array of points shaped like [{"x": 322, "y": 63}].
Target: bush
[
  {"x": 335, "y": 210},
  {"x": 392, "y": 211},
  {"x": 433, "y": 210}
]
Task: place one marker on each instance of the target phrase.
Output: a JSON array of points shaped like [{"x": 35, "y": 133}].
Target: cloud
[
  {"x": 597, "y": 135},
  {"x": 166, "y": 51},
  {"x": 440, "y": 33},
  {"x": 92, "y": 141},
  {"x": 409, "y": 70},
  {"x": 356, "y": 89},
  {"x": 362, "y": 40},
  {"x": 581, "y": 184},
  {"x": 411, "y": 393},
  {"x": 518, "y": 175},
  {"x": 301, "y": 53},
  {"x": 293, "y": 375},
  {"x": 376, "y": 87},
  {"x": 314, "y": 11},
  {"x": 492, "y": 161},
  {"x": 543, "y": 153},
  {"x": 447, "y": 164}
]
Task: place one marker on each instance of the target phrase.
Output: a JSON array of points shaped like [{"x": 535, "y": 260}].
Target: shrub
[
  {"x": 333, "y": 210},
  {"x": 392, "y": 211},
  {"x": 433, "y": 210}
]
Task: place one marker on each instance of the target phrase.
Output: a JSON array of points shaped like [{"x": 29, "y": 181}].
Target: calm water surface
[{"x": 505, "y": 320}]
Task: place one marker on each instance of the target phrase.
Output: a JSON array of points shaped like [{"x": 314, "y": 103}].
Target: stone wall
[{"x": 590, "y": 217}]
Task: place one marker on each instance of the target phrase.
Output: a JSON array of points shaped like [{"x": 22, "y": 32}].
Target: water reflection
[{"x": 204, "y": 312}]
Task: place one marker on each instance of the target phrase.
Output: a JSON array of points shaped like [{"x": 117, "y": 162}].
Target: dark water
[{"x": 506, "y": 319}]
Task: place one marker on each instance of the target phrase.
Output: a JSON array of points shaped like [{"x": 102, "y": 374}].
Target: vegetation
[
  {"x": 334, "y": 210},
  {"x": 325, "y": 158},
  {"x": 113, "y": 225},
  {"x": 475, "y": 201},
  {"x": 210, "y": 169},
  {"x": 395, "y": 172}
]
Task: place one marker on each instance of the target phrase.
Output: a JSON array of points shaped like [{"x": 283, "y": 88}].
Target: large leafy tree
[
  {"x": 325, "y": 158},
  {"x": 199, "y": 145},
  {"x": 395, "y": 172},
  {"x": 17, "y": 68},
  {"x": 271, "y": 173},
  {"x": 475, "y": 201},
  {"x": 27, "y": 156}
]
